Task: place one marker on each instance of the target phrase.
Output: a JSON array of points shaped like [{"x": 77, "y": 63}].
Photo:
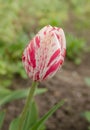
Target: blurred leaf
[
  {"x": 77, "y": 61},
  {"x": 31, "y": 117},
  {"x": 4, "y": 92},
  {"x": 87, "y": 81},
  {"x": 31, "y": 122},
  {"x": 87, "y": 115},
  {"x": 5, "y": 82},
  {"x": 17, "y": 94},
  {"x": 39, "y": 124},
  {"x": 75, "y": 47},
  {"x": 2, "y": 116},
  {"x": 14, "y": 124}
]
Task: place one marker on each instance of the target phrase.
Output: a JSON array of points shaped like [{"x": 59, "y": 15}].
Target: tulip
[
  {"x": 45, "y": 53},
  {"x": 41, "y": 58}
]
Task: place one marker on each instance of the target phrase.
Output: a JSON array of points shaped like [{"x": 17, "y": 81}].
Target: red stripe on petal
[
  {"x": 61, "y": 61},
  {"x": 37, "y": 39},
  {"x": 23, "y": 58},
  {"x": 58, "y": 36},
  {"x": 52, "y": 69},
  {"x": 44, "y": 32},
  {"x": 32, "y": 54},
  {"x": 56, "y": 53},
  {"x": 37, "y": 76}
]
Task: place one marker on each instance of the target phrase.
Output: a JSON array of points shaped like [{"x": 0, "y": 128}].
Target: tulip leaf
[
  {"x": 8, "y": 96},
  {"x": 14, "y": 124},
  {"x": 31, "y": 117},
  {"x": 2, "y": 116},
  {"x": 4, "y": 92},
  {"x": 39, "y": 123}
]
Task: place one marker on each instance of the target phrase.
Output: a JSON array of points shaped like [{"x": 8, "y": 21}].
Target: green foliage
[
  {"x": 39, "y": 123},
  {"x": 75, "y": 47},
  {"x": 87, "y": 81},
  {"x": 7, "y": 95},
  {"x": 32, "y": 121},
  {"x": 28, "y": 15},
  {"x": 81, "y": 11},
  {"x": 81, "y": 7},
  {"x": 2, "y": 116},
  {"x": 32, "y": 116},
  {"x": 10, "y": 60},
  {"x": 41, "y": 12},
  {"x": 29, "y": 115},
  {"x": 9, "y": 18},
  {"x": 87, "y": 116},
  {"x": 14, "y": 124}
]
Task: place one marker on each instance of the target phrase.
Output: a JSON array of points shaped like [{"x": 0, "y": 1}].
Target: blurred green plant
[
  {"x": 10, "y": 60},
  {"x": 9, "y": 21},
  {"x": 87, "y": 116},
  {"x": 87, "y": 81},
  {"x": 40, "y": 13},
  {"x": 7, "y": 95},
  {"x": 75, "y": 47},
  {"x": 81, "y": 11},
  {"x": 2, "y": 116},
  {"x": 32, "y": 122}
]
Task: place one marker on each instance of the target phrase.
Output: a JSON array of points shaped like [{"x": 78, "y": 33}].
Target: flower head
[{"x": 45, "y": 53}]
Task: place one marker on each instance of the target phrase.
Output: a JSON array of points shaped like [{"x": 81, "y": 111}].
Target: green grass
[{"x": 75, "y": 48}]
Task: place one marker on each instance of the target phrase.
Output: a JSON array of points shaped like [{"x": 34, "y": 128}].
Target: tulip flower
[{"x": 45, "y": 53}]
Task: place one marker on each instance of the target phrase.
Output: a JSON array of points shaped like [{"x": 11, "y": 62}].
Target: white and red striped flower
[{"x": 45, "y": 53}]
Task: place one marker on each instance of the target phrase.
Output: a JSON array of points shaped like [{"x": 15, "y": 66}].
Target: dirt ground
[{"x": 67, "y": 84}]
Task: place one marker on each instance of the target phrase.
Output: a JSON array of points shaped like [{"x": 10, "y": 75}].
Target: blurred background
[{"x": 20, "y": 20}]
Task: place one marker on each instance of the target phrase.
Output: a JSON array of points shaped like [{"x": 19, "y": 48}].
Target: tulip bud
[{"x": 45, "y": 53}]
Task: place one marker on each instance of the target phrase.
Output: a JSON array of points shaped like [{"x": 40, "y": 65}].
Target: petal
[{"x": 52, "y": 69}]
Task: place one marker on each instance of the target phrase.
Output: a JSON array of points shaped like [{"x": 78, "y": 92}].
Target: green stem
[{"x": 26, "y": 107}]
